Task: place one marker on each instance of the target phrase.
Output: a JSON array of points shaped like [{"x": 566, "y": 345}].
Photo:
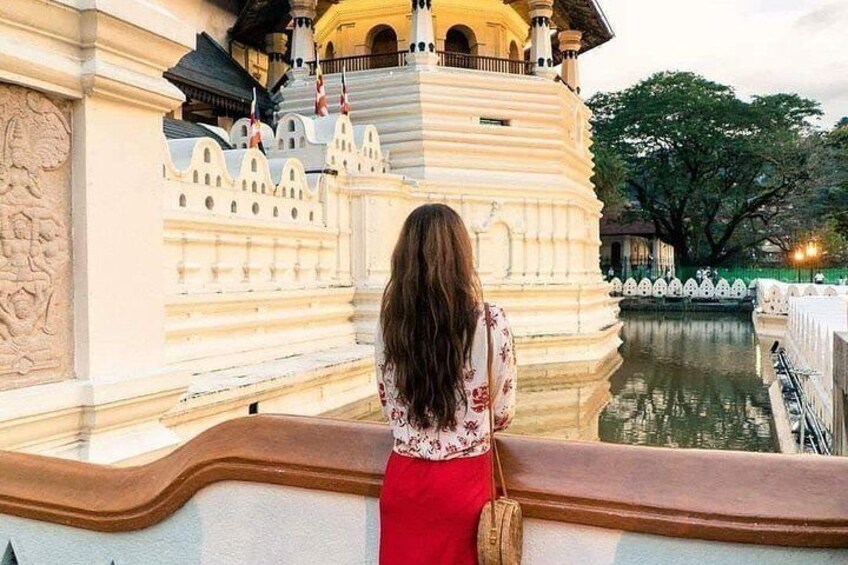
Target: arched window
[
  {"x": 382, "y": 42},
  {"x": 330, "y": 51},
  {"x": 460, "y": 40},
  {"x": 244, "y": 130},
  {"x": 207, "y": 155},
  {"x": 514, "y": 52},
  {"x": 292, "y": 125},
  {"x": 291, "y": 143}
]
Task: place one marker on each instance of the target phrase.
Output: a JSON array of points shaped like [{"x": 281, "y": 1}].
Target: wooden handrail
[
  {"x": 360, "y": 63},
  {"x": 769, "y": 499},
  {"x": 483, "y": 63},
  {"x": 446, "y": 59}
]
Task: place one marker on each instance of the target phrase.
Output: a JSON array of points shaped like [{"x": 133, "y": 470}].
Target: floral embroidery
[
  {"x": 381, "y": 389},
  {"x": 480, "y": 398},
  {"x": 471, "y": 427}
]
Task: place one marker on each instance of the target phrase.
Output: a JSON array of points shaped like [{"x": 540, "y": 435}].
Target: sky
[{"x": 755, "y": 46}]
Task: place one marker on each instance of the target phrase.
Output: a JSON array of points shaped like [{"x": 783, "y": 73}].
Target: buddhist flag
[
  {"x": 255, "y": 127},
  {"x": 345, "y": 101},
  {"x": 321, "y": 108}
]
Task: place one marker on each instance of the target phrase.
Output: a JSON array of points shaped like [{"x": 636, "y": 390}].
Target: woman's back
[{"x": 471, "y": 435}]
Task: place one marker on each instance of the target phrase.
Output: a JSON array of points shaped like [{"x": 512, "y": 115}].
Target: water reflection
[
  {"x": 688, "y": 381},
  {"x": 680, "y": 381}
]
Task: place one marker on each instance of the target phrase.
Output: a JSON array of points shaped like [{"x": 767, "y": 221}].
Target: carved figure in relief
[{"x": 33, "y": 233}]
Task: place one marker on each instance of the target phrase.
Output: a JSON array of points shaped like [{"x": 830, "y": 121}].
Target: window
[
  {"x": 294, "y": 213},
  {"x": 382, "y": 42},
  {"x": 207, "y": 180},
  {"x": 302, "y": 142},
  {"x": 182, "y": 200},
  {"x": 494, "y": 122},
  {"x": 291, "y": 175},
  {"x": 244, "y": 130},
  {"x": 195, "y": 177},
  {"x": 253, "y": 186},
  {"x": 460, "y": 39},
  {"x": 207, "y": 155},
  {"x": 276, "y": 211},
  {"x": 255, "y": 209},
  {"x": 210, "y": 204},
  {"x": 233, "y": 207},
  {"x": 292, "y": 126},
  {"x": 291, "y": 143},
  {"x": 218, "y": 181},
  {"x": 253, "y": 166}
]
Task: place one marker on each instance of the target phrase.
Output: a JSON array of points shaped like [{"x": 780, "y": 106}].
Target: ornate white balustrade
[{"x": 675, "y": 288}]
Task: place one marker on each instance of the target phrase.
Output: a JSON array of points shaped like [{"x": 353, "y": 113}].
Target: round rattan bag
[{"x": 500, "y": 535}]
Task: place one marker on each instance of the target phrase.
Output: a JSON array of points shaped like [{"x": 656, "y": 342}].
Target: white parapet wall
[
  {"x": 303, "y": 491},
  {"x": 813, "y": 322}
]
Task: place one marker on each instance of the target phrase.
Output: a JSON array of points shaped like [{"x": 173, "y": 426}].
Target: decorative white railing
[
  {"x": 773, "y": 297},
  {"x": 675, "y": 288}
]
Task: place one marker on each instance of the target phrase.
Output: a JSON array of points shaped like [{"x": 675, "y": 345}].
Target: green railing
[{"x": 782, "y": 274}]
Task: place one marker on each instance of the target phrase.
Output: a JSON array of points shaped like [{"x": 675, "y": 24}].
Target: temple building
[
  {"x": 635, "y": 249},
  {"x": 183, "y": 280}
]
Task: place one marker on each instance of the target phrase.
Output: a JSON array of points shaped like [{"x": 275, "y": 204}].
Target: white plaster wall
[{"x": 254, "y": 523}]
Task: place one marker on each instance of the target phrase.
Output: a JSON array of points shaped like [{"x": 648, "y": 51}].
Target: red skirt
[{"x": 429, "y": 510}]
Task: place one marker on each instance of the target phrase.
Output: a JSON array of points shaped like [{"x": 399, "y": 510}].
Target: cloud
[{"x": 756, "y": 46}]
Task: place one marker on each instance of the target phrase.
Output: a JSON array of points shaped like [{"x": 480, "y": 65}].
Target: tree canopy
[{"x": 713, "y": 172}]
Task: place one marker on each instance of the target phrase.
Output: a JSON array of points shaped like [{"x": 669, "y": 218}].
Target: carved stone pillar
[
  {"x": 82, "y": 299},
  {"x": 570, "y": 45},
  {"x": 275, "y": 46},
  {"x": 422, "y": 45},
  {"x": 303, "y": 38},
  {"x": 541, "y": 51}
]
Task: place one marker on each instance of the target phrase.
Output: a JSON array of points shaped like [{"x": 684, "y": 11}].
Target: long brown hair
[{"x": 429, "y": 314}]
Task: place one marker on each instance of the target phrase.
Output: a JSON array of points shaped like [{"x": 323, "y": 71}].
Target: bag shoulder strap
[{"x": 496, "y": 460}]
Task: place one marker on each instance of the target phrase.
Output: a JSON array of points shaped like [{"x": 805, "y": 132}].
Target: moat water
[{"x": 682, "y": 380}]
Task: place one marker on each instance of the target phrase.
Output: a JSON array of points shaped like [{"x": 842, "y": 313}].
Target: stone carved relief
[{"x": 35, "y": 277}]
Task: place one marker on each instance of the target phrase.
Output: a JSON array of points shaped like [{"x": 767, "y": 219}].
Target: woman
[{"x": 431, "y": 352}]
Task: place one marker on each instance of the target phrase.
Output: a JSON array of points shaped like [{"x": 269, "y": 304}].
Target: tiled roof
[
  {"x": 180, "y": 129},
  {"x": 210, "y": 74},
  {"x": 638, "y": 227}
]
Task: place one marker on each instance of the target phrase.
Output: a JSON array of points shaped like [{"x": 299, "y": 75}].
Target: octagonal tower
[{"x": 478, "y": 104}]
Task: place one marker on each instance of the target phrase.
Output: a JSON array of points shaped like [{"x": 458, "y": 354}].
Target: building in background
[
  {"x": 155, "y": 288},
  {"x": 634, "y": 249}
]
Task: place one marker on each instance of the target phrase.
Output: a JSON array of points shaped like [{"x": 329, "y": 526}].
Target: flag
[
  {"x": 345, "y": 101},
  {"x": 255, "y": 127},
  {"x": 321, "y": 108}
]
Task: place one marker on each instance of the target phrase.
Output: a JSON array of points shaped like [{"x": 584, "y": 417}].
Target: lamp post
[
  {"x": 812, "y": 253},
  {"x": 799, "y": 258}
]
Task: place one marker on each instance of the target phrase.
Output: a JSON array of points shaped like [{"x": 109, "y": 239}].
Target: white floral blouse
[{"x": 471, "y": 436}]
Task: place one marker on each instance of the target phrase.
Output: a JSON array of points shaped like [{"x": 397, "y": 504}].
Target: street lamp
[
  {"x": 812, "y": 252},
  {"x": 799, "y": 258}
]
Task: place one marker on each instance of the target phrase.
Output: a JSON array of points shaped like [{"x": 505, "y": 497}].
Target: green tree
[{"x": 711, "y": 171}]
